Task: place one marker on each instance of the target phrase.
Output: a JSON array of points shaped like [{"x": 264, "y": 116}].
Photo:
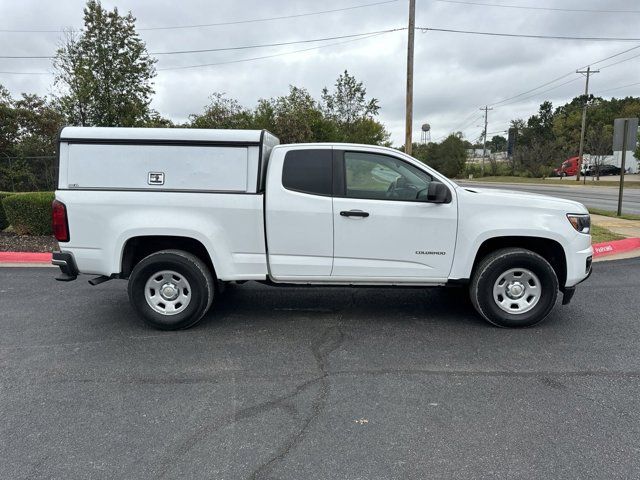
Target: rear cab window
[{"x": 308, "y": 171}]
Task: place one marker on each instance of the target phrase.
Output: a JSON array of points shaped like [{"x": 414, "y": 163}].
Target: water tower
[{"x": 426, "y": 133}]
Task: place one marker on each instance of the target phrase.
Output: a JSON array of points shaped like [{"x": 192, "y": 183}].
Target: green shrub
[
  {"x": 4, "y": 223},
  {"x": 29, "y": 213}
]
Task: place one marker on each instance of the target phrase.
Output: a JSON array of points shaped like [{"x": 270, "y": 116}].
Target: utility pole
[
  {"x": 484, "y": 144},
  {"x": 409, "y": 107},
  {"x": 587, "y": 73}
]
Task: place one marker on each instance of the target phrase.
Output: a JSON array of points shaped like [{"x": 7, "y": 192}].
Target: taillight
[{"x": 59, "y": 221}]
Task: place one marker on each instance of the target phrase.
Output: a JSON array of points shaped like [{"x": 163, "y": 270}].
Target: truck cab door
[
  {"x": 385, "y": 228},
  {"x": 299, "y": 214}
]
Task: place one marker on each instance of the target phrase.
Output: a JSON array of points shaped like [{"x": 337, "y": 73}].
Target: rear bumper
[{"x": 67, "y": 264}]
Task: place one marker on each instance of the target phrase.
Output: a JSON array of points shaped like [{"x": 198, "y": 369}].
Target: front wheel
[
  {"x": 171, "y": 289},
  {"x": 514, "y": 287}
]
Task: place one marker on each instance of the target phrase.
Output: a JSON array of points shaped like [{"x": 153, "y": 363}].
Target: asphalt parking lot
[{"x": 312, "y": 383}]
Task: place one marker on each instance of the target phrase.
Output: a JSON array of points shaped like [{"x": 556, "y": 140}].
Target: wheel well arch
[
  {"x": 547, "y": 248},
  {"x": 137, "y": 248}
]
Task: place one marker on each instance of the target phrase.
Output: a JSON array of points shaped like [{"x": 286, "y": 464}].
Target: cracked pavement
[{"x": 316, "y": 383}]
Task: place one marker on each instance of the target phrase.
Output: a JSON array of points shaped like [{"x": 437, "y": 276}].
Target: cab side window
[
  {"x": 381, "y": 177},
  {"x": 308, "y": 171}
]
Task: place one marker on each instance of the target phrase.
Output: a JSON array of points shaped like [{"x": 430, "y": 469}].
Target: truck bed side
[{"x": 229, "y": 226}]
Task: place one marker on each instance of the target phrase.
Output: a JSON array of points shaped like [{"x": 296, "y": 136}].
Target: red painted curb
[
  {"x": 599, "y": 250},
  {"x": 24, "y": 257},
  {"x": 616, "y": 246}
]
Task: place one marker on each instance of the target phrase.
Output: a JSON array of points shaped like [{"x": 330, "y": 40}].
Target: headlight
[{"x": 581, "y": 223}]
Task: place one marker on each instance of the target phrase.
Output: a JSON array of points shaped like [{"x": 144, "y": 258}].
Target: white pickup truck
[{"x": 181, "y": 212}]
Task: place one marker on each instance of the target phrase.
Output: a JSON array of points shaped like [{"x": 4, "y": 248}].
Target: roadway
[
  {"x": 317, "y": 383},
  {"x": 605, "y": 198}
]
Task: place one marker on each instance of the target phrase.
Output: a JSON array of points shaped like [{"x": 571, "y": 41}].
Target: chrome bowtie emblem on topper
[{"x": 155, "y": 178}]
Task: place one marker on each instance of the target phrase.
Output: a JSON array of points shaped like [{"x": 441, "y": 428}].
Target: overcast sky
[{"x": 455, "y": 74}]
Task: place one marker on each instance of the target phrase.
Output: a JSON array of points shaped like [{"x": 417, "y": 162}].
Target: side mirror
[{"x": 437, "y": 192}]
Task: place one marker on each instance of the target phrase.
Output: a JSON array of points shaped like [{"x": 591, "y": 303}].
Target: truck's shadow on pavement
[{"x": 385, "y": 305}]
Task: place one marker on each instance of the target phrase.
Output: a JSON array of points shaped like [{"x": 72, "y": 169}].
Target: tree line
[
  {"x": 104, "y": 77},
  {"x": 552, "y": 135}
]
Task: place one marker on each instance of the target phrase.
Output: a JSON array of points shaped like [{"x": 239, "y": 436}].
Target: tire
[
  {"x": 514, "y": 287},
  {"x": 188, "y": 289}
]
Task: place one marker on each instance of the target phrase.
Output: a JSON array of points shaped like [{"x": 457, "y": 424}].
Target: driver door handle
[{"x": 354, "y": 213}]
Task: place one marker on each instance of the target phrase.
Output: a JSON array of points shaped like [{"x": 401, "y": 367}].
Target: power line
[
  {"x": 469, "y": 124},
  {"x": 438, "y": 139},
  {"x": 226, "y": 49},
  {"x": 279, "y": 44},
  {"x": 201, "y": 65},
  {"x": 466, "y": 119},
  {"x": 566, "y": 75},
  {"x": 612, "y": 56},
  {"x": 617, "y": 88},
  {"x": 26, "y": 73},
  {"x": 233, "y": 22},
  {"x": 527, "y": 7},
  {"x": 532, "y": 90},
  {"x": 620, "y": 61},
  {"x": 255, "y": 20},
  {"x": 543, "y": 91},
  {"x": 466, "y": 126},
  {"x": 507, "y": 101},
  {"x": 424, "y": 29},
  {"x": 522, "y": 35}
]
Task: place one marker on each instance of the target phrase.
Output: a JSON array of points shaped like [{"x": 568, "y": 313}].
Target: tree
[
  {"x": 599, "y": 143},
  {"x": 448, "y": 157},
  {"x": 105, "y": 73},
  {"x": 452, "y": 155},
  {"x": 344, "y": 115},
  {"x": 28, "y": 132},
  {"x": 222, "y": 112},
  {"x": 297, "y": 118},
  {"x": 347, "y": 106},
  {"x": 155, "y": 120},
  {"x": 538, "y": 148},
  {"x": 497, "y": 144},
  {"x": 8, "y": 121},
  {"x": 538, "y": 157},
  {"x": 348, "y": 102}
]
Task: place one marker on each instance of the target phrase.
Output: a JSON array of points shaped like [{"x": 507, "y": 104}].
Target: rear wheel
[
  {"x": 171, "y": 289},
  {"x": 514, "y": 287}
]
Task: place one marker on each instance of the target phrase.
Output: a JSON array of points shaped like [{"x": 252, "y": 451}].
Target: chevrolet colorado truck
[{"x": 179, "y": 213}]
